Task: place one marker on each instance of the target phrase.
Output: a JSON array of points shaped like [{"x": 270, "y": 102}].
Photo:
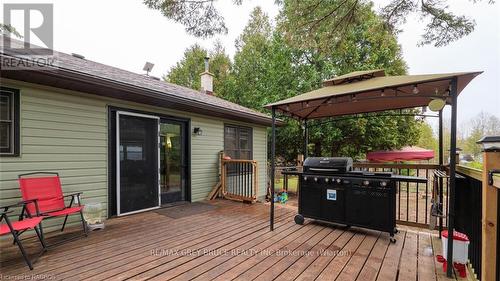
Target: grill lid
[{"x": 328, "y": 164}]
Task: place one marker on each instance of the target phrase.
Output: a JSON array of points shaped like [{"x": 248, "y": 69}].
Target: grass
[{"x": 293, "y": 183}]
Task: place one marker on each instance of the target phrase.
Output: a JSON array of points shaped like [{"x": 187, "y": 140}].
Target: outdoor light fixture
[
  {"x": 287, "y": 108},
  {"x": 490, "y": 143},
  {"x": 307, "y": 104},
  {"x": 415, "y": 90},
  {"x": 436, "y": 104},
  {"x": 354, "y": 99},
  {"x": 197, "y": 131},
  {"x": 382, "y": 93}
]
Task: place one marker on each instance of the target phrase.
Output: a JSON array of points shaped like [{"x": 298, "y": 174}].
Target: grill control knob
[
  {"x": 366, "y": 182},
  {"x": 327, "y": 180},
  {"x": 339, "y": 180},
  {"x": 383, "y": 183},
  {"x": 316, "y": 179},
  {"x": 305, "y": 178}
]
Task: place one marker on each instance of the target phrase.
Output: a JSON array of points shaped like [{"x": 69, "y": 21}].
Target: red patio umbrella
[{"x": 407, "y": 153}]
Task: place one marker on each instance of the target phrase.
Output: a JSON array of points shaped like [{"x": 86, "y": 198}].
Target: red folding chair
[
  {"x": 47, "y": 191},
  {"x": 18, "y": 227}
]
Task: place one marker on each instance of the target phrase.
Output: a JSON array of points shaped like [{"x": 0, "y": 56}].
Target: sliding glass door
[{"x": 172, "y": 161}]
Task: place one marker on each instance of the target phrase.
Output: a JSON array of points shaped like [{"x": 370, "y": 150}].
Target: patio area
[{"x": 231, "y": 241}]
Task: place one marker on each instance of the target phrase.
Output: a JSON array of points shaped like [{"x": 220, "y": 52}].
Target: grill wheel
[{"x": 299, "y": 219}]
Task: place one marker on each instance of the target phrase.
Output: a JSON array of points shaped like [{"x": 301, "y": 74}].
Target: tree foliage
[
  {"x": 199, "y": 17},
  {"x": 484, "y": 124},
  {"x": 307, "y": 18},
  {"x": 7, "y": 29},
  {"x": 267, "y": 68},
  {"x": 427, "y": 138},
  {"x": 187, "y": 71}
]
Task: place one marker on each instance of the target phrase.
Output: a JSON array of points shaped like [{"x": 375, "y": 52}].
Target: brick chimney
[{"x": 207, "y": 79}]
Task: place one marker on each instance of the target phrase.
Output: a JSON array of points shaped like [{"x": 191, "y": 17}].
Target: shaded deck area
[{"x": 230, "y": 241}]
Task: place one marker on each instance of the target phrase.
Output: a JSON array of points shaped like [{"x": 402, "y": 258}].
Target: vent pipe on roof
[{"x": 207, "y": 79}]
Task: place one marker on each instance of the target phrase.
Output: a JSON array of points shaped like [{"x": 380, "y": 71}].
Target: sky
[{"x": 126, "y": 34}]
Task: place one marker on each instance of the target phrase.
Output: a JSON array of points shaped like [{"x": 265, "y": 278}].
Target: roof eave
[{"x": 71, "y": 80}]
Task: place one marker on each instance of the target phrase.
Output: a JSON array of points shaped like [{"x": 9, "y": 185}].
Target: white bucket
[{"x": 460, "y": 246}]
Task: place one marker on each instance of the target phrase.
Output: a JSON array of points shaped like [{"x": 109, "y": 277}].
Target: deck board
[
  {"x": 372, "y": 265},
  {"x": 230, "y": 242},
  {"x": 408, "y": 265}
]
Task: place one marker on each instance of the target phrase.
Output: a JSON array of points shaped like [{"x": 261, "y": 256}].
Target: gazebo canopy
[
  {"x": 407, "y": 153},
  {"x": 371, "y": 91}
]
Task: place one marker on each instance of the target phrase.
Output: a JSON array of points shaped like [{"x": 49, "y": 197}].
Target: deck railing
[
  {"x": 413, "y": 200},
  {"x": 468, "y": 212},
  {"x": 239, "y": 179}
]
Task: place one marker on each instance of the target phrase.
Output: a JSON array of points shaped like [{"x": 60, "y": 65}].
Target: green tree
[
  {"x": 427, "y": 138},
  {"x": 267, "y": 69},
  {"x": 307, "y": 18},
  {"x": 187, "y": 71},
  {"x": 7, "y": 29},
  {"x": 483, "y": 124}
]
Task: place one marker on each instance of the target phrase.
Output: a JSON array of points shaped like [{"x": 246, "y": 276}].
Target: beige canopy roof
[{"x": 371, "y": 91}]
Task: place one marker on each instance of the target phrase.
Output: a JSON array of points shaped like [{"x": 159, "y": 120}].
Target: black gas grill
[{"x": 330, "y": 191}]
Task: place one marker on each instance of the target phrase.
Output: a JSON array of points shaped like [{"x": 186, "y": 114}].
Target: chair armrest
[
  {"x": 20, "y": 203},
  {"x": 72, "y": 194},
  {"x": 29, "y": 201},
  {"x": 3, "y": 212},
  {"x": 24, "y": 202}
]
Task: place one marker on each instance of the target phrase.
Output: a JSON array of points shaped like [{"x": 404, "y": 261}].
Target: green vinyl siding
[
  {"x": 64, "y": 134},
  {"x": 67, "y": 132}
]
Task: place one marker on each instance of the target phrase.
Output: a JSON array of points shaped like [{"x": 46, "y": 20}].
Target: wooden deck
[{"x": 230, "y": 242}]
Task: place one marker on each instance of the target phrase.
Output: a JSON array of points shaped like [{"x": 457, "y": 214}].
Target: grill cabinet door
[{"x": 310, "y": 196}]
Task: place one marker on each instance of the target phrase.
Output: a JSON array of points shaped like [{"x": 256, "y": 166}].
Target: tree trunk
[{"x": 317, "y": 149}]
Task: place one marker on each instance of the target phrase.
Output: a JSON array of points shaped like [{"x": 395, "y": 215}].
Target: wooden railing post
[{"x": 489, "y": 256}]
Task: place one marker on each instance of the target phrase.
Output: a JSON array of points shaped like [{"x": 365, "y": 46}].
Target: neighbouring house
[{"x": 124, "y": 139}]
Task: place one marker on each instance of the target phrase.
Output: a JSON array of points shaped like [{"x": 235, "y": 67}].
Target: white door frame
[{"x": 118, "y": 113}]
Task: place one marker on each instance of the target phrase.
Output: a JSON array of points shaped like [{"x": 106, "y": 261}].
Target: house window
[
  {"x": 9, "y": 122},
  {"x": 238, "y": 142}
]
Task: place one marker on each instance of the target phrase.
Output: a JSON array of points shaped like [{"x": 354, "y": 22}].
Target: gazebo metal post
[
  {"x": 273, "y": 163},
  {"x": 451, "y": 195},
  {"x": 441, "y": 162},
  {"x": 306, "y": 138}
]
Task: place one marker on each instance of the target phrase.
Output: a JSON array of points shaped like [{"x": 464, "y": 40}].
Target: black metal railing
[
  {"x": 240, "y": 179},
  {"x": 468, "y": 213},
  {"x": 413, "y": 200}
]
